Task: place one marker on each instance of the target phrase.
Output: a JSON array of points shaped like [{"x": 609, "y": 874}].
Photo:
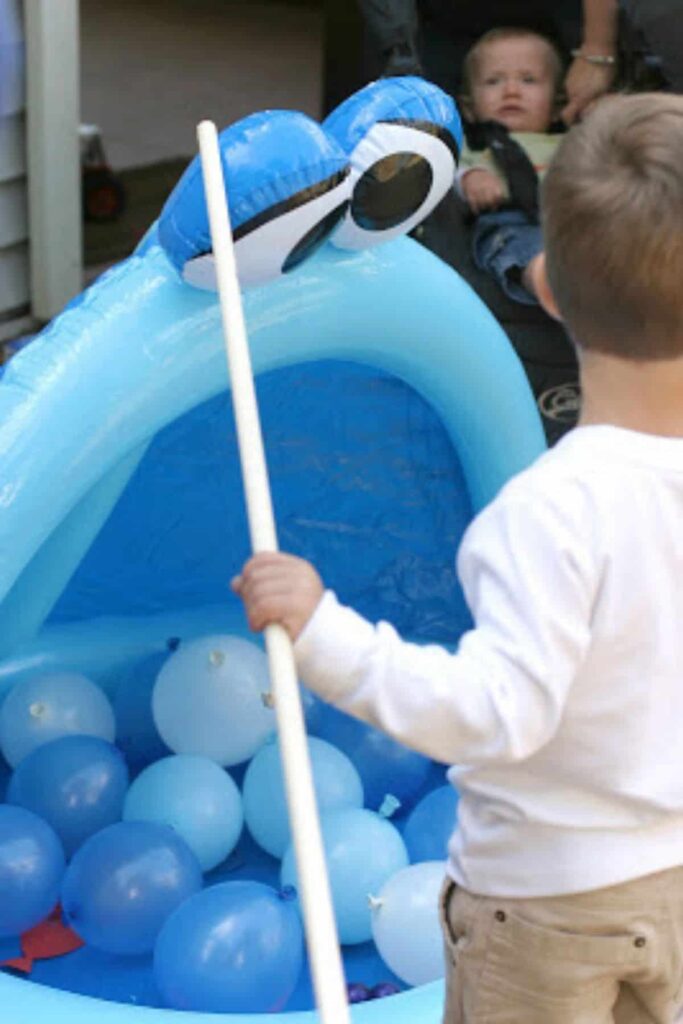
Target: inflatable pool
[{"x": 393, "y": 408}]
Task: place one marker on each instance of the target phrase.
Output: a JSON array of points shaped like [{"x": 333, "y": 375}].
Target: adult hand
[
  {"x": 585, "y": 82},
  {"x": 278, "y": 588},
  {"x": 482, "y": 189}
]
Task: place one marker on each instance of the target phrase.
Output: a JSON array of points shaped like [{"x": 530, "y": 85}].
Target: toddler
[
  {"x": 512, "y": 79},
  {"x": 563, "y": 706}
]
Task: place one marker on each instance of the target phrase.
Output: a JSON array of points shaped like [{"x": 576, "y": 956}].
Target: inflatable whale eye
[
  {"x": 287, "y": 183},
  {"x": 403, "y": 138}
]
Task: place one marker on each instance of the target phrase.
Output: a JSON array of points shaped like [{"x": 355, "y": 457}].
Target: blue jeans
[{"x": 503, "y": 243}]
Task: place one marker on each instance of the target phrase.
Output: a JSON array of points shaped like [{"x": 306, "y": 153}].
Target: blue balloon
[
  {"x": 237, "y": 947},
  {"x": 386, "y": 768},
  {"x": 362, "y": 851},
  {"x": 5, "y": 774},
  {"x": 194, "y": 796},
  {"x": 336, "y": 781},
  {"x": 124, "y": 882},
  {"x": 430, "y": 825},
  {"x": 45, "y": 707},
  {"x": 136, "y": 732},
  {"x": 31, "y": 869},
  {"x": 77, "y": 784}
]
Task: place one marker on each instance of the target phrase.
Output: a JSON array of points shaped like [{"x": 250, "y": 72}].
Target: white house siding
[{"x": 14, "y": 264}]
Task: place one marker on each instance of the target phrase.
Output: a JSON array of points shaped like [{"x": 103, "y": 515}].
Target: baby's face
[{"x": 514, "y": 84}]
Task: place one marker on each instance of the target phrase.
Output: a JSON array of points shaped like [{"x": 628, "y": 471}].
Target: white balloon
[
  {"x": 46, "y": 707},
  {"x": 208, "y": 699},
  {"x": 405, "y": 923}
]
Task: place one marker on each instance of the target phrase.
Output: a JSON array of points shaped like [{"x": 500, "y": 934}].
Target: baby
[{"x": 512, "y": 78}]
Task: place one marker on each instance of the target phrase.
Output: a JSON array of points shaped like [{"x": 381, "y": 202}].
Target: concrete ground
[{"x": 152, "y": 69}]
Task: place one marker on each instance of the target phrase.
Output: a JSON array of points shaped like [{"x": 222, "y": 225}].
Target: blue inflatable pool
[{"x": 393, "y": 409}]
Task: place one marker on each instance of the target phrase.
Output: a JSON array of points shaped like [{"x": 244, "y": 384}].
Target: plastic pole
[{"x": 321, "y": 931}]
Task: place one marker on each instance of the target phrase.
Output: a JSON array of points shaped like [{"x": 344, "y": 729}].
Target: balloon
[
  {"x": 77, "y": 784},
  {"x": 431, "y": 824},
  {"x": 194, "y": 796},
  {"x": 5, "y": 773},
  {"x": 236, "y": 947},
  {"x": 124, "y": 882},
  {"x": 336, "y": 781},
  {"x": 136, "y": 732},
  {"x": 405, "y": 923},
  {"x": 386, "y": 767},
  {"x": 208, "y": 699},
  {"x": 357, "y": 992},
  {"x": 45, "y": 707},
  {"x": 362, "y": 851},
  {"x": 383, "y": 989},
  {"x": 31, "y": 869}
]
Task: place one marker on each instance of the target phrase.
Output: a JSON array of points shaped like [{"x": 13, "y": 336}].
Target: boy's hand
[
  {"x": 482, "y": 190},
  {"x": 278, "y": 588}
]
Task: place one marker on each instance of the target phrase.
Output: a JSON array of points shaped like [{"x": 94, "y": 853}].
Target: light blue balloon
[
  {"x": 194, "y": 796},
  {"x": 337, "y": 784},
  {"x": 405, "y": 923},
  {"x": 431, "y": 825},
  {"x": 124, "y": 882},
  {"x": 208, "y": 699},
  {"x": 77, "y": 784},
  {"x": 31, "y": 869},
  {"x": 236, "y": 948},
  {"x": 362, "y": 851},
  {"x": 46, "y": 707},
  {"x": 391, "y": 773}
]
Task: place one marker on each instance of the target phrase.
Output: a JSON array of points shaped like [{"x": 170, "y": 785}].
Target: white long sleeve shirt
[{"x": 563, "y": 707}]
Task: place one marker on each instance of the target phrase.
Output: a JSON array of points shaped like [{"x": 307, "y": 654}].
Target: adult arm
[{"x": 587, "y": 81}]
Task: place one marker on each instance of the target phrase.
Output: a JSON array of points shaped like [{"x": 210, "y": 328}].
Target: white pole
[{"x": 321, "y": 932}]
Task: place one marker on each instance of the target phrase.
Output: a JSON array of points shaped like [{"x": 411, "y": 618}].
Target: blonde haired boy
[{"x": 563, "y": 706}]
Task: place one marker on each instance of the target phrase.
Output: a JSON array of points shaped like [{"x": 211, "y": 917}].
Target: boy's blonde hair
[
  {"x": 612, "y": 209},
  {"x": 496, "y": 35}
]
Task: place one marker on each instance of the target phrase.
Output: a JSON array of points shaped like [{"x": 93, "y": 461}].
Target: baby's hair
[
  {"x": 612, "y": 205},
  {"x": 495, "y": 35}
]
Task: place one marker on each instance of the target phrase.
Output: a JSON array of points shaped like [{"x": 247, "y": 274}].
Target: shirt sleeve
[{"x": 528, "y": 581}]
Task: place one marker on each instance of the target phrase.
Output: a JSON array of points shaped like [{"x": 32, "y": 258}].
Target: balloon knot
[{"x": 389, "y": 806}]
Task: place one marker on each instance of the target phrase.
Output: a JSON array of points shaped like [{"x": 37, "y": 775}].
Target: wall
[{"x": 14, "y": 266}]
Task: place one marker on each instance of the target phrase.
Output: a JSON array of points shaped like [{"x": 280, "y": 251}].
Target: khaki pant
[{"x": 613, "y": 955}]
